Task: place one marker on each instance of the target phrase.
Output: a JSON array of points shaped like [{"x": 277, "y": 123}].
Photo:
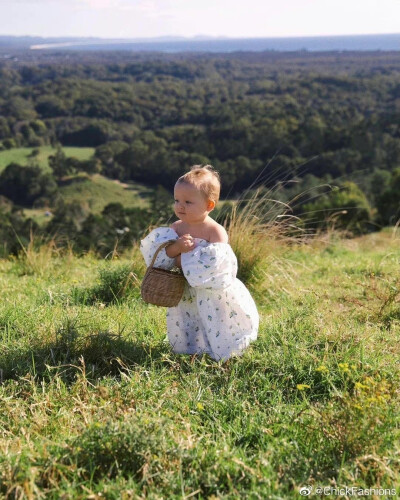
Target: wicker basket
[{"x": 160, "y": 286}]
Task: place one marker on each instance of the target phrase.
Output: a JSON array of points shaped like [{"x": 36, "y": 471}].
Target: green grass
[
  {"x": 95, "y": 191},
  {"x": 21, "y": 155},
  {"x": 93, "y": 404},
  {"x": 98, "y": 191}
]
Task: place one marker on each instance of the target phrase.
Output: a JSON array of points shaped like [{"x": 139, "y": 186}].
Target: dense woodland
[{"x": 322, "y": 127}]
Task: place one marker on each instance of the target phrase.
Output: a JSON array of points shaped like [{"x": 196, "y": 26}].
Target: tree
[
  {"x": 388, "y": 203},
  {"x": 15, "y": 229},
  {"x": 4, "y": 128},
  {"x": 59, "y": 164},
  {"x": 91, "y": 135},
  {"x": 345, "y": 207},
  {"x": 25, "y": 184},
  {"x": 50, "y": 106}
]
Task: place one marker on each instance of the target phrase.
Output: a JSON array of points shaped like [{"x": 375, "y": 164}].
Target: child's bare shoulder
[
  {"x": 176, "y": 226},
  {"x": 217, "y": 233}
]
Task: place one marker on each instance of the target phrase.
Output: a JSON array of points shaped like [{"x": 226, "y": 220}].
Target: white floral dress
[{"x": 216, "y": 314}]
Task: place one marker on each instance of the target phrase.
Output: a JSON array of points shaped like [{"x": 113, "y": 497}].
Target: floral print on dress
[
  {"x": 149, "y": 245},
  {"x": 217, "y": 311}
]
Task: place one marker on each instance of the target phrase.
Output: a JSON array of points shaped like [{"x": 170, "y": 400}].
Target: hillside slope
[{"x": 93, "y": 401}]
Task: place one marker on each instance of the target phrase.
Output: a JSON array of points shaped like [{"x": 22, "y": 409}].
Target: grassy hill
[
  {"x": 22, "y": 155},
  {"x": 93, "y": 402},
  {"x": 96, "y": 191}
]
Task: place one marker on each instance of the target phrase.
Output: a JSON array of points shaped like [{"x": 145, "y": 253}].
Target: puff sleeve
[
  {"x": 153, "y": 240},
  {"x": 212, "y": 267}
]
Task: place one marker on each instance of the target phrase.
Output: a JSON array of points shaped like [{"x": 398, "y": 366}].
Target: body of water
[{"x": 312, "y": 44}]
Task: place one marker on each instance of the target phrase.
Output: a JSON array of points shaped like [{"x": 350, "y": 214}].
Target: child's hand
[
  {"x": 186, "y": 243},
  {"x": 182, "y": 245}
]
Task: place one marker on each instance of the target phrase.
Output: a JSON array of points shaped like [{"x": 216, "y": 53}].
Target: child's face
[{"x": 190, "y": 204}]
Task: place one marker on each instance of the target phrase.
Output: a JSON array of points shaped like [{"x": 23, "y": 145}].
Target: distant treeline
[{"x": 262, "y": 118}]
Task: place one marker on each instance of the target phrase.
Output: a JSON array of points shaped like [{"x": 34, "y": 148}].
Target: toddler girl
[{"x": 216, "y": 314}]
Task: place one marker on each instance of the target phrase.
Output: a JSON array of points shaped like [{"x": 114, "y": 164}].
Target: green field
[
  {"x": 95, "y": 192},
  {"x": 93, "y": 404},
  {"x": 98, "y": 191},
  {"x": 22, "y": 155}
]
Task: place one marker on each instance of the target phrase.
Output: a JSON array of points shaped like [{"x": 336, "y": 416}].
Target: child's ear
[{"x": 210, "y": 205}]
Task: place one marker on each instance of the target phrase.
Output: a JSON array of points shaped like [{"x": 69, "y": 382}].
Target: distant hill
[{"x": 98, "y": 191}]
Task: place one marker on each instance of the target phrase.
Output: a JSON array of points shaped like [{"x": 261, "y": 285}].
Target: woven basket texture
[{"x": 160, "y": 286}]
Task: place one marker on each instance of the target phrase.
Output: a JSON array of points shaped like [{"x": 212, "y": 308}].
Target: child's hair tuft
[{"x": 204, "y": 178}]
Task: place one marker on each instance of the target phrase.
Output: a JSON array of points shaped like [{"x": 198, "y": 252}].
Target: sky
[{"x": 230, "y": 18}]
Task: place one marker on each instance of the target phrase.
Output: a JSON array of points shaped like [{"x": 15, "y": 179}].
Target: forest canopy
[{"x": 258, "y": 118}]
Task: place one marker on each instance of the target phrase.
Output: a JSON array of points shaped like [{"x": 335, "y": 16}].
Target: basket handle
[{"x": 163, "y": 245}]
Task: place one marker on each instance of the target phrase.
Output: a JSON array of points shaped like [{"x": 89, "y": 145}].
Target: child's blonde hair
[{"x": 204, "y": 178}]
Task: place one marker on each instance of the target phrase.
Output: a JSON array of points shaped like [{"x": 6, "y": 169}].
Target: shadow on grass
[{"x": 100, "y": 353}]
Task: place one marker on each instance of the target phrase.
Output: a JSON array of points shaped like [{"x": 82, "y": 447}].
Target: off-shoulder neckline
[{"x": 200, "y": 239}]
